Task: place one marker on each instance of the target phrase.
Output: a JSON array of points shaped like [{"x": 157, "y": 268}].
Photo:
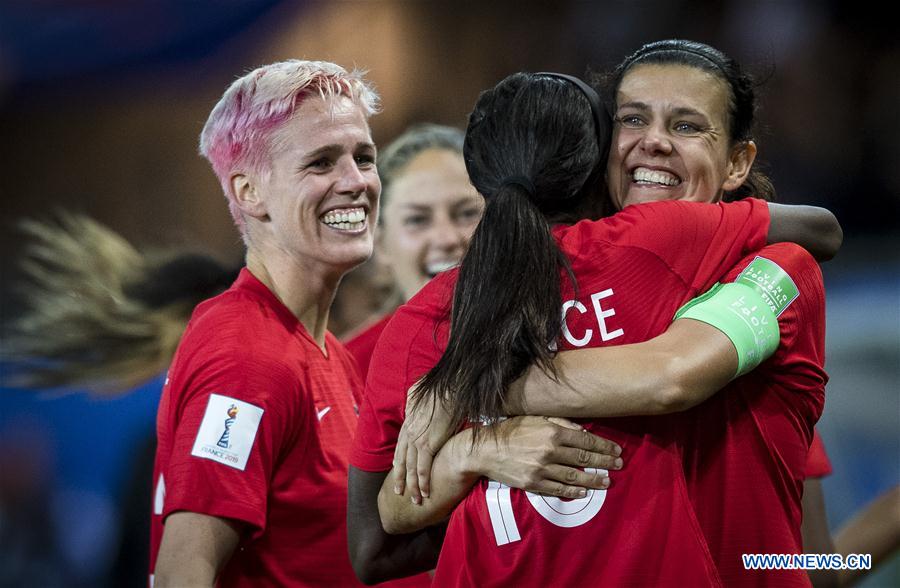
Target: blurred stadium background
[{"x": 101, "y": 106}]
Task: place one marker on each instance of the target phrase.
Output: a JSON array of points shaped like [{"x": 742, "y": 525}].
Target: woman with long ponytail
[{"x": 505, "y": 313}]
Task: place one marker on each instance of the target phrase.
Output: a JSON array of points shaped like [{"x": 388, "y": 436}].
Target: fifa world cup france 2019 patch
[
  {"x": 773, "y": 283},
  {"x": 227, "y": 431}
]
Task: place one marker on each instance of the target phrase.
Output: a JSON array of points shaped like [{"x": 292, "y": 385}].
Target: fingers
[
  {"x": 570, "y": 483},
  {"x": 399, "y": 471},
  {"x": 564, "y": 423},
  {"x": 412, "y": 477},
  {"x": 577, "y": 436},
  {"x": 567, "y": 479},
  {"x": 583, "y": 439},
  {"x": 583, "y": 458},
  {"x": 423, "y": 469}
]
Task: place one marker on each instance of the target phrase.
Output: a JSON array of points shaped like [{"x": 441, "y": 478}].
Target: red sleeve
[
  {"x": 410, "y": 345},
  {"x": 233, "y": 482},
  {"x": 801, "y": 355},
  {"x": 796, "y": 372},
  {"x": 817, "y": 463},
  {"x": 700, "y": 242}
]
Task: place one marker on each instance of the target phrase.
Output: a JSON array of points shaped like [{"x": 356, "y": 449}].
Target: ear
[
  {"x": 739, "y": 163},
  {"x": 247, "y": 197}
]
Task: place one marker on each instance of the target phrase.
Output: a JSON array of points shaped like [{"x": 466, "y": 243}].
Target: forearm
[
  {"x": 452, "y": 476},
  {"x": 375, "y": 555},
  {"x": 595, "y": 384},
  {"x": 672, "y": 372},
  {"x": 875, "y": 531},
  {"x": 815, "y": 229},
  {"x": 815, "y": 532},
  {"x": 194, "y": 549}
]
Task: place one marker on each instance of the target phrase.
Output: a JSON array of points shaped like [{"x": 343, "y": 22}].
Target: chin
[
  {"x": 362, "y": 257},
  {"x": 350, "y": 258}
]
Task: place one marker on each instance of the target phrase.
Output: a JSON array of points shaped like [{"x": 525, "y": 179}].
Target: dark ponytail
[{"x": 531, "y": 147}]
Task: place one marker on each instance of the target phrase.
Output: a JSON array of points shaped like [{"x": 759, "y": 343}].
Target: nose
[
  {"x": 446, "y": 235},
  {"x": 656, "y": 140},
  {"x": 352, "y": 179}
]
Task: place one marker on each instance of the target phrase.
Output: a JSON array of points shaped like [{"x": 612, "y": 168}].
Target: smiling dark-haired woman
[{"x": 535, "y": 148}]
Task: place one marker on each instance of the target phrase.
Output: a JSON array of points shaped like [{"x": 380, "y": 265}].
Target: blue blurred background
[{"x": 102, "y": 102}]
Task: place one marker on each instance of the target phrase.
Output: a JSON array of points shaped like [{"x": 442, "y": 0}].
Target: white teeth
[
  {"x": 437, "y": 267},
  {"x": 348, "y": 226},
  {"x": 353, "y": 219},
  {"x": 642, "y": 174}
]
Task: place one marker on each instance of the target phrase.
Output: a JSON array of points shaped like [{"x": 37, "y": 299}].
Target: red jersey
[
  {"x": 362, "y": 344},
  {"x": 746, "y": 448},
  {"x": 255, "y": 424},
  {"x": 817, "y": 463},
  {"x": 634, "y": 270}
]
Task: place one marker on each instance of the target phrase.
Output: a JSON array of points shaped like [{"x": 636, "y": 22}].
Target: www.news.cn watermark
[{"x": 807, "y": 561}]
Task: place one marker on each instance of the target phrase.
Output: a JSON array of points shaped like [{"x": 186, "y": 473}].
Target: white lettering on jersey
[
  {"x": 565, "y": 329},
  {"x": 160, "y": 496},
  {"x": 500, "y": 510},
  {"x": 570, "y": 513},
  {"x": 600, "y": 314},
  {"x": 562, "y": 513},
  {"x": 227, "y": 431}
]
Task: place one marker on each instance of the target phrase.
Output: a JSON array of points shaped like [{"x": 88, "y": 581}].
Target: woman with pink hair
[{"x": 258, "y": 409}]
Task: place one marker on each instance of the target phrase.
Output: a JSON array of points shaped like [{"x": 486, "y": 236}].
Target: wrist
[
  {"x": 466, "y": 463},
  {"x": 514, "y": 404}
]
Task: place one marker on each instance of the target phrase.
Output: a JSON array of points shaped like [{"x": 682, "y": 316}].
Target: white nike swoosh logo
[{"x": 323, "y": 412}]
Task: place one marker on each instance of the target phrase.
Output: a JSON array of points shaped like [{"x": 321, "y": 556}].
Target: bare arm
[
  {"x": 671, "y": 372},
  {"x": 875, "y": 530},
  {"x": 816, "y": 536},
  {"x": 194, "y": 549},
  {"x": 377, "y": 556},
  {"x": 532, "y": 453},
  {"x": 454, "y": 472},
  {"x": 815, "y": 229}
]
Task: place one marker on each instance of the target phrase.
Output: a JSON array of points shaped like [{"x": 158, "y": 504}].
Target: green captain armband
[{"x": 740, "y": 311}]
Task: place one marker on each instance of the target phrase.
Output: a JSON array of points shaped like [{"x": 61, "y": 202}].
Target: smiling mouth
[
  {"x": 345, "y": 219},
  {"x": 649, "y": 177}
]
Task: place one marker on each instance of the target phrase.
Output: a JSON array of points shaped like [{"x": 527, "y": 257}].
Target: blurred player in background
[{"x": 428, "y": 212}]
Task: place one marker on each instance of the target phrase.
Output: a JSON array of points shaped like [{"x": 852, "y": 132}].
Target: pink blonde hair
[{"x": 238, "y": 132}]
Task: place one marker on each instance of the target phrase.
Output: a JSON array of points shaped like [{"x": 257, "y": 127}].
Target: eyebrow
[
  {"x": 336, "y": 148},
  {"x": 461, "y": 200},
  {"x": 634, "y": 104},
  {"x": 680, "y": 111}
]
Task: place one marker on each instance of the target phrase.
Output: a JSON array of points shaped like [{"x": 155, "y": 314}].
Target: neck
[{"x": 307, "y": 293}]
